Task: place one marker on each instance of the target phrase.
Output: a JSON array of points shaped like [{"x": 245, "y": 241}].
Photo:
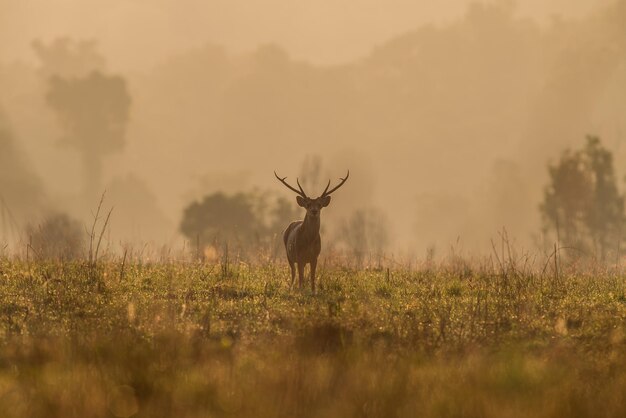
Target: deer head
[{"x": 313, "y": 206}]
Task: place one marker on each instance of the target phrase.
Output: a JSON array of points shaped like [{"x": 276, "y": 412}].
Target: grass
[{"x": 187, "y": 340}]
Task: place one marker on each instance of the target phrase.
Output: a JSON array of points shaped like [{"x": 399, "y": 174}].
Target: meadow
[{"x": 131, "y": 337}]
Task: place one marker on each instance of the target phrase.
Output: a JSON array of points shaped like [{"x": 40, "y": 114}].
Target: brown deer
[{"x": 302, "y": 238}]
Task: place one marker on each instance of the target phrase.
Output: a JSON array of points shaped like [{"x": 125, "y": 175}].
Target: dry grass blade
[
  {"x": 92, "y": 234},
  {"x": 104, "y": 227}
]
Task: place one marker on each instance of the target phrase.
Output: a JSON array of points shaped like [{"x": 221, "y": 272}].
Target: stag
[{"x": 302, "y": 238}]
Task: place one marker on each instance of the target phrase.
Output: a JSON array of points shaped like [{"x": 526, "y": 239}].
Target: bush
[
  {"x": 58, "y": 237},
  {"x": 245, "y": 222}
]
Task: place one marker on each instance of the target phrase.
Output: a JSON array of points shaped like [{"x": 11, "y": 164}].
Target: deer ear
[
  {"x": 301, "y": 201},
  {"x": 326, "y": 201}
]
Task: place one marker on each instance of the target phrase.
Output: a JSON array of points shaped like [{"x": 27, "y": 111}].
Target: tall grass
[{"x": 174, "y": 338}]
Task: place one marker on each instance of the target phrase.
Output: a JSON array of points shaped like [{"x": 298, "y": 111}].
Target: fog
[
  {"x": 446, "y": 114},
  {"x": 321, "y": 32}
]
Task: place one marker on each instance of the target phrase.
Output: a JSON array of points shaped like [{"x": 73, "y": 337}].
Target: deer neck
[{"x": 311, "y": 227}]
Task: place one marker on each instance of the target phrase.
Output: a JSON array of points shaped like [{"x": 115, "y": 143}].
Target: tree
[
  {"x": 93, "y": 110},
  {"x": 66, "y": 57},
  {"x": 57, "y": 237},
  {"x": 582, "y": 203},
  {"x": 221, "y": 219},
  {"x": 245, "y": 221}
]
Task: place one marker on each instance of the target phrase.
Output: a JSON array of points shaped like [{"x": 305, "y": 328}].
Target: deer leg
[
  {"x": 301, "y": 274},
  {"x": 293, "y": 274},
  {"x": 313, "y": 266}
]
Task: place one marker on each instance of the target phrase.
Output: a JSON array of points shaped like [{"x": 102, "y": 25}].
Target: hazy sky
[
  {"x": 138, "y": 33},
  {"x": 517, "y": 96}
]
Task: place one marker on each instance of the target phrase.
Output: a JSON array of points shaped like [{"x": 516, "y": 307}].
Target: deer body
[
  {"x": 303, "y": 244},
  {"x": 302, "y": 238}
]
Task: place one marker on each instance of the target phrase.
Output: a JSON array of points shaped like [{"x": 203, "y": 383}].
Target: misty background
[{"x": 447, "y": 114}]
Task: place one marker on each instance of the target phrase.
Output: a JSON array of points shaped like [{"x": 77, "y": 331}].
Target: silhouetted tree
[
  {"x": 93, "y": 111},
  {"x": 65, "y": 57},
  {"x": 245, "y": 221},
  {"x": 57, "y": 237},
  {"x": 582, "y": 203},
  {"x": 220, "y": 219}
]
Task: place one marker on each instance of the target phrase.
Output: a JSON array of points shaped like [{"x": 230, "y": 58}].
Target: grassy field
[{"x": 193, "y": 340}]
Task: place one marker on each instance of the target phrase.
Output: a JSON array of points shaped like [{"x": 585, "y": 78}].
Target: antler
[
  {"x": 343, "y": 180},
  {"x": 300, "y": 192}
]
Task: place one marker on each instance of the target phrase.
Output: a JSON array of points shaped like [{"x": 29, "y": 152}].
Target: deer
[{"x": 302, "y": 238}]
